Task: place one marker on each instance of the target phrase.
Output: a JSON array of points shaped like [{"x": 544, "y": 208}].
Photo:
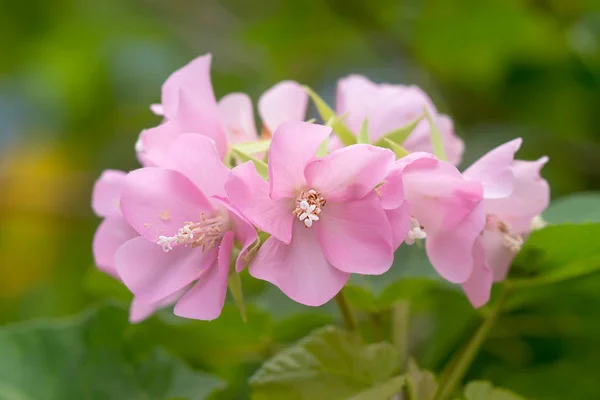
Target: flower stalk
[{"x": 348, "y": 316}]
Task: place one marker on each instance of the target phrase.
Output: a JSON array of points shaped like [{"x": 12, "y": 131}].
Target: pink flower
[
  {"x": 388, "y": 107},
  {"x": 187, "y": 230},
  {"x": 112, "y": 233},
  {"x": 189, "y": 106},
  {"x": 514, "y": 194},
  {"x": 442, "y": 207},
  {"x": 324, "y": 216}
]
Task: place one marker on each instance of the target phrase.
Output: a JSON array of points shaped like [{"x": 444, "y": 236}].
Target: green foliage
[
  {"x": 576, "y": 208},
  {"x": 333, "y": 120},
  {"x": 363, "y": 134},
  {"x": 422, "y": 385},
  {"x": 399, "y": 135},
  {"x": 485, "y": 391},
  {"x": 261, "y": 166},
  {"x": 557, "y": 253},
  {"x": 94, "y": 356},
  {"x": 436, "y": 137},
  {"x": 329, "y": 363}
]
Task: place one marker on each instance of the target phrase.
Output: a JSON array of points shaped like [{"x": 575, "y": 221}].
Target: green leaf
[
  {"x": 322, "y": 151},
  {"x": 399, "y": 135},
  {"x": 436, "y": 137},
  {"x": 422, "y": 385},
  {"x": 328, "y": 115},
  {"x": 398, "y": 150},
  {"x": 261, "y": 166},
  {"x": 576, "y": 208},
  {"x": 363, "y": 134},
  {"x": 328, "y": 364},
  {"x": 95, "y": 356},
  {"x": 382, "y": 391},
  {"x": 557, "y": 253},
  {"x": 259, "y": 146},
  {"x": 479, "y": 390}
]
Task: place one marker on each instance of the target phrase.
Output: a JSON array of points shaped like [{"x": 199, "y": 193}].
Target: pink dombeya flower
[
  {"x": 440, "y": 206},
  {"x": 113, "y": 232},
  {"x": 514, "y": 195},
  {"x": 189, "y": 105},
  {"x": 324, "y": 216},
  {"x": 187, "y": 230},
  {"x": 388, "y": 107}
]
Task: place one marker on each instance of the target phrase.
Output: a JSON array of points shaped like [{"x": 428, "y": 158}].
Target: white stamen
[
  {"x": 308, "y": 207},
  {"x": 202, "y": 234},
  {"x": 415, "y": 232},
  {"x": 538, "y": 223},
  {"x": 513, "y": 241}
]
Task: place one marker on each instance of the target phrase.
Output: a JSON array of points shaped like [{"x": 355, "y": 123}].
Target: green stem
[
  {"x": 400, "y": 322},
  {"x": 461, "y": 366},
  {"x": 347, "y": 315}
]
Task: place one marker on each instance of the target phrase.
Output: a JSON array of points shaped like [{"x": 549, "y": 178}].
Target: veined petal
[
  {"x": 196, "y": 157},
  {"x": 157, "y": 201},
  {"x": 237, "y": 117},
  {"x": 204, "y": 301},
  {"x": 399, "y": 220},
  {"x": 355, "y": 236},
  {"x": 293, "y": 146},
  {"x": 249, "y": 193},
  {"x": 152, "y": 274},
  {"x": 349, "y": 173},
  {"x": 530, "y": 196},
  {"x": 284, "y": 102},
  {"x": 245, "y": 233},
  {"x": 450, "y": 251},
  {"x": 112, "y": 233},
  {"x": 195, "y": 77},
  {"x": 479, "y": 285},
  {"x": 107, "y": 193},
  {"x": 494, "y": 170},
  {"x": 299, "y": 269},
  {"x": 391, "y": 192}
]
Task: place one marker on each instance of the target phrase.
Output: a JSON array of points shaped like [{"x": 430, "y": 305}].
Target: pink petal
[
  {"x": 237, "y": 117},
  {"x": 349, "y": 173},
  {"x": 249, "y": 193},
  {"x": 153, "y": 274},
  {"x": 498, "y": 256},
  {"x": 299, "y": 269},
  {"x": 196, "y": 157},
  {"x": 354, "y": 99},
  {"x": 479, "y": 285},
  {"x": 284, "y": 102},
  {"x": 245, "y": 233},
  {"x": 439, "y": 197},
  {"x": 293, "y": 145},
  {"x": 154, "y": 142},
  {"x": 420, "y": 139},
  {"x": 531, "y": 196},
  {"x": 399, "y": 220},
  {"x": 139, "y": 310},
  {"x": 195, "y": 78},
  {"x": 391, "y": 192},
  {"x": 158, "y": 201},
  {"x": 450, "y": 251},
  {"x": 204, "y": 301},
  {"x": 494, "y": 170},
  {"x": 107, "y": 192},
  {"x": 110, "y": 235},
  {"x": 355, "y": 236}
]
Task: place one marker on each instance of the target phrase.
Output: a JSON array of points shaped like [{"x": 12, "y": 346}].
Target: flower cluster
[{"x": 327, "y": 204}]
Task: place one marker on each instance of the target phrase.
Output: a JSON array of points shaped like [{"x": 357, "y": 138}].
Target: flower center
[
  {"x": 308, "y": 207},
  {"x": 511, "y": 240},
  {"x": 202, "y": 234},
  {"x": 416, "y": 232}
]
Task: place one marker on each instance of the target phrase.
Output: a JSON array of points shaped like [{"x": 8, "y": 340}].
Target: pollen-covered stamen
[
  {"x": 308, "y": 207},
  {"x": 416, "y": 232},
  {"x": 511, "y": 240},
  {"x": 538, "y": 223},
  {"x": 202, "y": 234}
]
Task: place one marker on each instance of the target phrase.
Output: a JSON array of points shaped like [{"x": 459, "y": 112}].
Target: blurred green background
[{"x": 77, "y": 76}]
